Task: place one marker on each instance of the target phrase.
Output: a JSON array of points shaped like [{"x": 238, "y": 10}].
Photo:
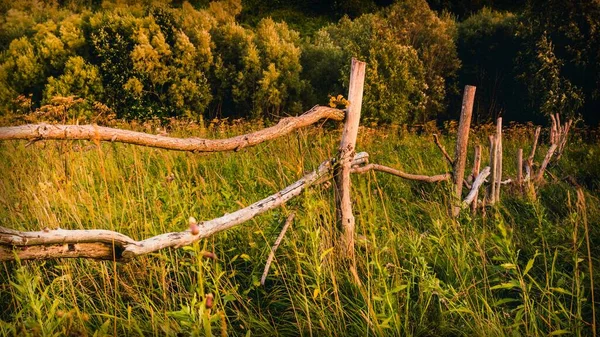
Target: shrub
[
  {"x": 236, "y": 69},
  {"x": 79, "y": 78},
  {"x": 487, "y": 46},
  {"x": 280, "y": 86},
  {"x": 21, "y": 72}
]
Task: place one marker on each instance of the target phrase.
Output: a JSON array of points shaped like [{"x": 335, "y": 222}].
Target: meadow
[{"x": 525, "y": 267}]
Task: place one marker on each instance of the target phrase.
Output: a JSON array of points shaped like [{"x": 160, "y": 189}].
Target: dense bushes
[
  {"x": 542, "y": 60},
  {"x": 159, "y": 60},
  {"x": 409, "y": 50},
  {"x": 488, "y": 45},
  {"x": 178, "y": 59}
]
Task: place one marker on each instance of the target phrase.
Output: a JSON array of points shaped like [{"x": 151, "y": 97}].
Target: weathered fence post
[
  {"x": 460, "y": 157},
  {"x": 520, "y": 168},
  {"x": 491, "y": 191},
  {"x": 346, "y": 151},
  {"x": 498, "y": 158},
  {"x": 476, "y": 166}
]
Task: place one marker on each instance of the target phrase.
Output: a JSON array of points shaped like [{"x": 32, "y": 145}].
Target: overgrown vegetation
[
  {"x": 231, "y": 59},
  {"x": 522, "y": 269},
  {"x": 525, "y": 267}
]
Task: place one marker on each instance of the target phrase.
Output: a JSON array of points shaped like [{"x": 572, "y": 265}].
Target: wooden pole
[
  {"x": 534, "y": 147},
  {"x": 520, "y": 167},
  {"x": 498, "y": 158},
  {"x": 563, "y": 141},
  {"x": 460, "y": 157},
  {"x": 491, "y": 193},
  {"x": 476, "y": 166},
  {"x": 547, "y": 158},
  {"x": 36, "y": 132},
  {"x": 346, "y": 151}
]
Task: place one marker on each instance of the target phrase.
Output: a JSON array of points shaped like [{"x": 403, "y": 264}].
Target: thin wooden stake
[
  {"x": 460, "y": 156},
  {"x": 476, "y": 166},
  {"x": 563, "y": 140},
  {"x": 498, "y": 158},
  {"x": 491, "y": 192},
  {"x": 346, "y": 153},
  {"x": 436, "y": 140},
  {"x": 288, "y": 222},
  {"x": 540, "y": 174},
  {"x": 553, "y": 130},
  {"x": 519, "y": 167},
  {"x": 535, "y": 141}
]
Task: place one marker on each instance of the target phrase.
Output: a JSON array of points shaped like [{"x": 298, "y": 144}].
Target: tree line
[{"x": 231, "y": 58}]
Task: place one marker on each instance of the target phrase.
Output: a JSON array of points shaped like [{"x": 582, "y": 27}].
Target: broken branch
[
  {"x": 288, "y": 222},
  {"x": 436, "y": 140},
  {"x": 398, "y": 173},
  {"x": 476, "y": 184}
]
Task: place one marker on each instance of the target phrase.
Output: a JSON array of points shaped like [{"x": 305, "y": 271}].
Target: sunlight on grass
[{"x": 520, "y": 270}]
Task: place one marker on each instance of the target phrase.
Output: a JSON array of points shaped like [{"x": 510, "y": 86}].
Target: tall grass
[{"x": 522, "y": 269}]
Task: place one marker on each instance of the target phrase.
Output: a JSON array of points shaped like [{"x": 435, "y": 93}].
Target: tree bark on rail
[
  {"x": 35, "y": 132},
  {"x": 109, "y": 245}
]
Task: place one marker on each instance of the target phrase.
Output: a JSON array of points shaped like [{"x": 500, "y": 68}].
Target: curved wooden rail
[
  {"x": 36, "y": 132},
  {"x": 404, "y": 175}
]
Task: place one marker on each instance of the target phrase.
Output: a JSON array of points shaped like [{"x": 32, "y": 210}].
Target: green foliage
[
  {"x": 563, "y": 49},
  {"x": 549, "y": 91},
  {"x": 236, "y": 69},
  {"x": 433, "y": 36},
  {"x": 21, "y": 72},
  {"x": 533, "y": 63},
  {"x": 409, "y": 51},
  {"x": 14, "y": 24},
  {"x": 488, "y": 45},
  {"x": 79, "y": 78},
  {"x": 219, "y": 58},
  {"x": 279, "y": 86},
  {"x": 111, "y": 44},
  {"x": 164, "y": 60}
]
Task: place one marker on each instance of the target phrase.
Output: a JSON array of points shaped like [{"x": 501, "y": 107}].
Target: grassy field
[{"x": 523, "y": 269}]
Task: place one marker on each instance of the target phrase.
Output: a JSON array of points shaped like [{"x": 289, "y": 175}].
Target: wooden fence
[{"x": 110, "y": 245}]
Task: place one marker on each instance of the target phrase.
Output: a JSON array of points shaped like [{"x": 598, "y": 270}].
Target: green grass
[{"x": 522, "y": 269}]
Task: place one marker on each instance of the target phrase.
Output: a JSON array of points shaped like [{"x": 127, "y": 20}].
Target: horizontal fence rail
[{"x": 36, "y": 132}]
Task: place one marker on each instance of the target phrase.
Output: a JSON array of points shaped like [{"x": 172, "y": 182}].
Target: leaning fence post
[
  {"x": 460, "y": 158},
  {"x": 346, "y": 151}
]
